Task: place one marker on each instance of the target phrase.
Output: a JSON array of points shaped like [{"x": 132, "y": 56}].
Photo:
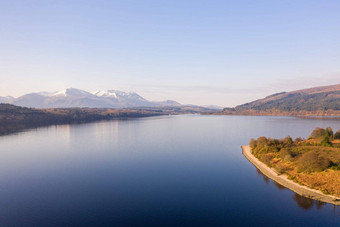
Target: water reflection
[
  {"x": 178, "y": 170},
  {"x": 264, "y": 177},
  {"x": 303, "y": 202},
  {"x": 279, "y": 186}
]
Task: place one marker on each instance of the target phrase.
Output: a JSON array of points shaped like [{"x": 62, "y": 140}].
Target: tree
[
  {"x": 262, "y": 141},
  {"x": 337, "y": 135},
  {"x": 312, "y": 161},
  {"x": 329, "y": 132},
  {"x": 285, "y": 155},
  {"x": 287, "y": 141},
  {"x": 317, "y": 133},
  {"x": 326, "y": 140},
  {"x": 298, "y": 140},
  {"x": 252, "y": 143}
]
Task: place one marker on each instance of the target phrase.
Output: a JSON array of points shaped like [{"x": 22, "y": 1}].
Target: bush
[
  {"x": 337, "y": 135},
  {"x": 287, "y": 141},
  {"x": 326, "y": 140},
  {"x": 280, "y": 168},
  {"x": 298, "y": 140},
  {"x": 317, "y": 133},
  {"x": 252, "y": 143},
  {"x": 266, "y": 159},
  {"x": 285, "y": 155},
  {"x": 311, "y": 162},
  {"x": 329, "y": 132},
  {"x": 262, "y": 141}
]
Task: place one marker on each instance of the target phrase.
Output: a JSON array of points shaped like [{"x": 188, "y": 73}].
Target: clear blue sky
[{"x": 199, "y": 52}]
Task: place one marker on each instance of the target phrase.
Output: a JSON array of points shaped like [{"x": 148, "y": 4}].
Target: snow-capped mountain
[
  {"x": 125, "y": 98},
  {"x": 6, "y": 99},
  {"x": 73, "y": 97},
  {"x": 71, "y": 92},
  {"x": 133, "y": 98}
]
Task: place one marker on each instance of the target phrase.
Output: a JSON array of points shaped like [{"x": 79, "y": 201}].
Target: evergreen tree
[{"x": 326, "y": 140}]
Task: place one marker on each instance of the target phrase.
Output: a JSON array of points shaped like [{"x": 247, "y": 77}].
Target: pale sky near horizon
[{"x": 199, "y": 52}]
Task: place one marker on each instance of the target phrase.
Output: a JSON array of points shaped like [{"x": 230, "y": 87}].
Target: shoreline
[{"x": 284, "y": 181}]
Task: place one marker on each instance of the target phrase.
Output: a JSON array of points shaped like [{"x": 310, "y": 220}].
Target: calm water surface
[{"x": 162, "y": 171}]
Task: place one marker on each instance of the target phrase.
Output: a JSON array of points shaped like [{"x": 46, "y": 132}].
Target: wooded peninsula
[{"x": 313, "y": 162}]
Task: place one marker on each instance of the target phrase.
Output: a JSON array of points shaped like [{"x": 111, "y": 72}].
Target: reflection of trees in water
[
  {"x": 319, "y": 204},
  {"x": 301, "y": 201},
  {"x": 307, "y": 204},
  {"x": 267, "y": 180},
  {"x": 264, "y": 177},
  {"x": 279, "y": 186}
]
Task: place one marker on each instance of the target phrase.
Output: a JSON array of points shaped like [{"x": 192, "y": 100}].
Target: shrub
[
  {"x": 262, "y": 142},
  {"x": 312, "y": 161},
  {"x": 317, "y": 133},
  {"x": 337, "y": 135},
  {"x": 285, "y": 155},
  {"x": 329, "y": 132},
  {"x": 252, "y": 143},
  {"x": 298, "y": 140},
  {"x": 266, "y": 159},
  {"x": 287, "y": 141},
  {"x": 280, "y": 168},
  {"x": 326, "y": 140}
]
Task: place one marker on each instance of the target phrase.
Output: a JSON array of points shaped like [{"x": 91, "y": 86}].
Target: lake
[{"x": 183, "y": 170}]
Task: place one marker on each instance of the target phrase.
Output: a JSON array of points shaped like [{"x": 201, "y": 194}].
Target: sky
[{"x": 195, "y": 52}]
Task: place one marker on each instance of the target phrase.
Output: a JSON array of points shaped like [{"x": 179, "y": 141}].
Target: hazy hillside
[{"x": 314, "y": 101}]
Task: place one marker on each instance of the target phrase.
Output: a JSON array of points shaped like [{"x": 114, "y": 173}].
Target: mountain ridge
[
  {"x": 323, "y": 100},
  {"x": 73, "y": 97}
]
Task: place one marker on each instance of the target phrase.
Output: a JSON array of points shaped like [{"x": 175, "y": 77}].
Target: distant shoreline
[
  {"x": 302, "y": 114},
  {"x": 15, "y": 118},
  {"x": 284, "y": 181}
]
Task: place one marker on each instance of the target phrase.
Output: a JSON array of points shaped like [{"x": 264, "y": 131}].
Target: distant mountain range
[
  {"x": 73, "y": 97},
  {"x": 313, "y": 101}
]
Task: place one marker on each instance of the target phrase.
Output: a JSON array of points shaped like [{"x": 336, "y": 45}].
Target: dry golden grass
[
  {"x": 327, "y": 181},
  {"x": 336, "y": 142}
]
